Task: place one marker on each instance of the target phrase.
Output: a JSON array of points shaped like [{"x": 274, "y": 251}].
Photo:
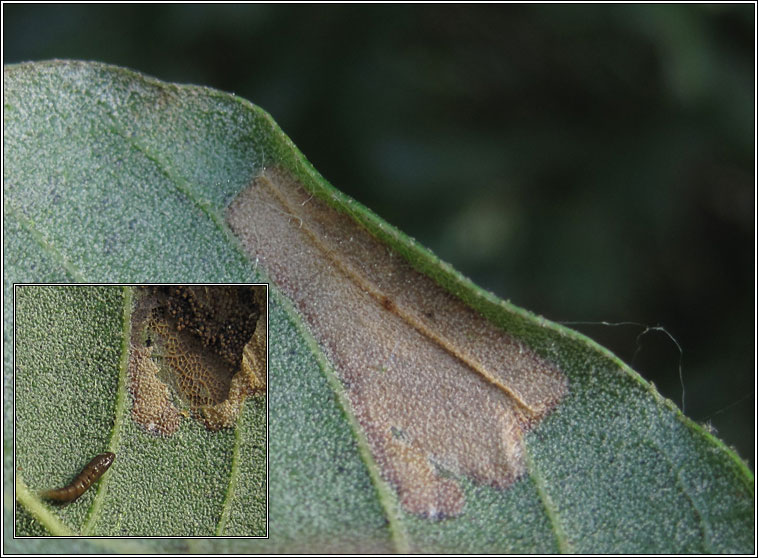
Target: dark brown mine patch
[
  {"x": 439, "y": 391},
  {"x": 198, "y": 350},
  {"x": 388, "y": 304}
]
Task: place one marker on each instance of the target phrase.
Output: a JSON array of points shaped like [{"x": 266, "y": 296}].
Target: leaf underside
[{"x": 114, "y": 177}]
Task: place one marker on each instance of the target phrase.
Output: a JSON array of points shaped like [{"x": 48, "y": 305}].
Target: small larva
[{"x": 83, "y": 480}]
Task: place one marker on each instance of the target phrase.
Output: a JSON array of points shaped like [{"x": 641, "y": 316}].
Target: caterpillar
[{"x": 93, "y": 471}]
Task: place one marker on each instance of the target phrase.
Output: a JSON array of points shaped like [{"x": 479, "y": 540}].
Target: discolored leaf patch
[
  {"x": 439, "y": 391},
  {"x": 198, "y": 350}
]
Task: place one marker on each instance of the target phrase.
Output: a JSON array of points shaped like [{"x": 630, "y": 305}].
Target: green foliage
[
  {"x": 111, "y": 176},
  {"x": 72, "y": 404},
  {"x": 608, "y": 139}
]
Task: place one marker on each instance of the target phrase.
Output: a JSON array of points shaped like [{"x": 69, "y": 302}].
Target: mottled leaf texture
[{"x": 409, "y": 411}]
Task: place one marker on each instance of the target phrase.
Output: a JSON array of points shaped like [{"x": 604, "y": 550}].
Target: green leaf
[
  {"x": 73, "y": 402},
  {"x": 400, "y": 418}
]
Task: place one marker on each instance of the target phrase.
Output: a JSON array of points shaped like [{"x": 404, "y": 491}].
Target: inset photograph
[{"x": 141, "y": 410}]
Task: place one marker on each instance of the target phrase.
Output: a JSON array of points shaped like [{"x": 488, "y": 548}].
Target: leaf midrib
[
  {"x": 119, "y": 410},
  {"x": 368, "y": 287},
  {"x": 48, "y": 248},
  {"x": 398, "y": 533},
  {"x": 45, "y": 246},
  {"x": 399, "y": 536},
  {"x": 180, "y": 184}
]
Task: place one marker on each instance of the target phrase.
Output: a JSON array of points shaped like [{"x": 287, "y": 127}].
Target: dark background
[{"x": 589, "y": 163}]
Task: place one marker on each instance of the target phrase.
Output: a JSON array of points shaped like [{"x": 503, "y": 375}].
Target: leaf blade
[{"x": 218, "y": 144}]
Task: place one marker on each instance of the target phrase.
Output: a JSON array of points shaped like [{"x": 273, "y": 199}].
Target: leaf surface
[
  {"x": 114, "y": 177},
  {"x": 72, "y": 404}
]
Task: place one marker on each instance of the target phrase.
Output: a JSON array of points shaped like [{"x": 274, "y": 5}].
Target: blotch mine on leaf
[
  {"x": 196, "y": 349},
  {"x": 439, "y": 391}
]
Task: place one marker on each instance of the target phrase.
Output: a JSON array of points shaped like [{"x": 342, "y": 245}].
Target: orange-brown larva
[{"x": 93, "y": 471}]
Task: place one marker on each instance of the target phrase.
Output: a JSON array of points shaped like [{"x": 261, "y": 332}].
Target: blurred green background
[{"x": 589, "y": 163}]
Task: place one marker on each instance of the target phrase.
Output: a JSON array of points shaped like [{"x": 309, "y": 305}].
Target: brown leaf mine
[
  {"x": 198, "y": 350},
  {"x": 439, "y": 391}
]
